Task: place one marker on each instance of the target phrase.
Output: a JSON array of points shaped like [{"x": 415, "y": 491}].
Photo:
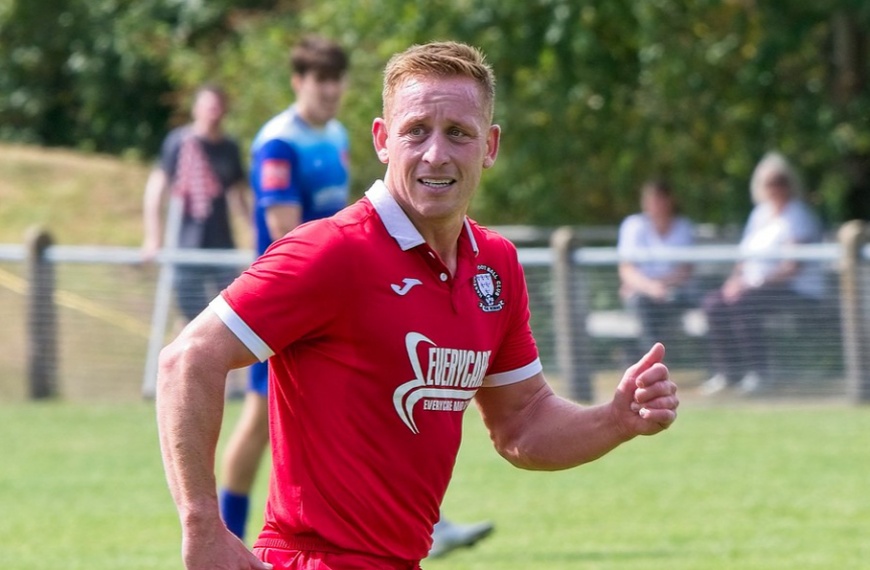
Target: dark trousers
[
  {"x": 196, "y": 286},
  {"x": 737, "y": 339},
  {"x": 660, "y": 321}
]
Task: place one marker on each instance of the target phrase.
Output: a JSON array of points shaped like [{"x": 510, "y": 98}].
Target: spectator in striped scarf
[{"x": 202, "y": 166}]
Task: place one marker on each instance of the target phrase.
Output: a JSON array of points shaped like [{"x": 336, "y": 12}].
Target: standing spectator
[
  {"x": 203, "y": 166},
  {"x": 657, "y": 291},
  {"x": 299, "y": 173},
  {"x": 757, "y": 286},
  {"x": 382, "y": 323}
]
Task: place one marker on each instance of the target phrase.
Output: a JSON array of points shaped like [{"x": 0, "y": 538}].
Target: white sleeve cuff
[
  {"x": 513, "y": 376},
  {"x": 241, "y": 329}
]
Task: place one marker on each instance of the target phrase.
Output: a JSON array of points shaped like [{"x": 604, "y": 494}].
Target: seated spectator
[
  {"x": 759, "y": 286},
  {"x": 657, "y": 291}
]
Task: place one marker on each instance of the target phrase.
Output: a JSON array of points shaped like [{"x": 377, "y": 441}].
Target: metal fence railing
[{"x": 81, "y": 322}]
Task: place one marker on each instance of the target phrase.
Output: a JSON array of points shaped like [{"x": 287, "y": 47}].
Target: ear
[
  {"x": 295, "y": 82},
  {"x": 492, "y": 142},
  {"x": 379, "y": 138}
]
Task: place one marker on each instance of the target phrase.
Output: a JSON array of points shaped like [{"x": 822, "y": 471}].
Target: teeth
[{"x": 433, "y": 182}]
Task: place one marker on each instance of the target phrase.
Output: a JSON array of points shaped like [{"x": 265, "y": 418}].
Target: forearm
[
  {"x": 282, "y": 218},
  {"x": 190, "y": 399},
  {"x": 240, "y": 198},
  {"x": 533, "y": 428},
  {"x": 560, "y": 434},
  {"x": 635, "y": 281},
  {"x": 784, "y": 273},
  {"x": 152, "y": 202}
]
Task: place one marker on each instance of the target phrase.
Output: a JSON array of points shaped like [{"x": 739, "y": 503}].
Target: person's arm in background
[
  {"x": 281, "y": 218},
  {"x": 156, "y": 188},
  {"x": 633, "y": 280},
  {"x": 239, "y": 200},
  {"x": 279, "y": 194}
]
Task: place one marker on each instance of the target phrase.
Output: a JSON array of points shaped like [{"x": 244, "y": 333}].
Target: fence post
[
  {"x": 569, "y": 317},
  {"x": 854, "y": 285},
  {"x": 41, "y": 317}
]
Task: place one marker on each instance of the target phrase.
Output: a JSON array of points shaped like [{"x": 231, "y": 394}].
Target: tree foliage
[{"x": 594, "y": 96}]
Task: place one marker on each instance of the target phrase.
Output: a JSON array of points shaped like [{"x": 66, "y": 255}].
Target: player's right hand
[{"x": 218, "y": 550}]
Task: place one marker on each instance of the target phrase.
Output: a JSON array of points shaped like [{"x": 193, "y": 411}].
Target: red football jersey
[{"x": 376, "y": 351}]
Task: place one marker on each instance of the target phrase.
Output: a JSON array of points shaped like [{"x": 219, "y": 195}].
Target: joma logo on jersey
[{"x": 450, "y": 375}]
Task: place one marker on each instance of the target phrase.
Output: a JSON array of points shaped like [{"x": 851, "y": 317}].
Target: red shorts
[{"x": 327, "y": 559}]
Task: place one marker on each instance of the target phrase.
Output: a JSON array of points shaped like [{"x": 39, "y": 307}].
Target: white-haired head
[{"x": 774, "y": 167}]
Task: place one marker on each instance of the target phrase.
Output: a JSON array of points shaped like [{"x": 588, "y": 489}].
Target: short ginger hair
[{"x": 439, "y": 59}]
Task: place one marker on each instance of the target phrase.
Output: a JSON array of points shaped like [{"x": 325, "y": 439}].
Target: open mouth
[{"x": 437, "y": 183}]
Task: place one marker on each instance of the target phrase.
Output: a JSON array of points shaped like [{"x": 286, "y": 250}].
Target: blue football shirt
[{"x": 295, "y": 163}]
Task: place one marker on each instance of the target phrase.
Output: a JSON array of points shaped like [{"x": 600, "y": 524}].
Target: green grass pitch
[{"x": 766, "y": 488}]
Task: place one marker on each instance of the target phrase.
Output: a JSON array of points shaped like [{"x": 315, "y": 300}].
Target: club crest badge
[{"x": 487, "y": 285}]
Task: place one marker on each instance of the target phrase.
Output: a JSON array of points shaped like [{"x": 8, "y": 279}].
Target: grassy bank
[{"x": 81, "y": 198}]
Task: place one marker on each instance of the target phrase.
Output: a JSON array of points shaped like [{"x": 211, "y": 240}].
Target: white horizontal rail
[
  {"x": 709, "y": 253},
  {"x": 528, "y": 256},
  {"x": 130, "y": 255}
]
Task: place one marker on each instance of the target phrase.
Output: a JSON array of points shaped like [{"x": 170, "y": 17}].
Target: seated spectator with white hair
[{"x": 758, "y": 285}]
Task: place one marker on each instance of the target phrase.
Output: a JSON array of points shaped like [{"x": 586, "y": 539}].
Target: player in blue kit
[{"x": 299, "y": 173}]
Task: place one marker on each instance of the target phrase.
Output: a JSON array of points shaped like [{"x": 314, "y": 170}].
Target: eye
[{"x": 455, "y": 132}]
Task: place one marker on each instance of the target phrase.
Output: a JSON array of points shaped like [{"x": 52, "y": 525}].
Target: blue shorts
[{"x": 258, "y": 379}]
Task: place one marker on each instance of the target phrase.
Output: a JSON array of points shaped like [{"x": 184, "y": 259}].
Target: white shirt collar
[{"x": 398, "y": 225}]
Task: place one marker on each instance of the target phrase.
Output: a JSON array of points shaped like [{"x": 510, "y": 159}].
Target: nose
[
  {"x": 436, "y": 152},
  {"x": 331, "y": 89}
]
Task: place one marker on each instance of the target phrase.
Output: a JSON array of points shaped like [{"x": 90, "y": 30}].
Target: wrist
[
  {"x": 196, "y": 518},
  {"x": 622, "y": 432}
]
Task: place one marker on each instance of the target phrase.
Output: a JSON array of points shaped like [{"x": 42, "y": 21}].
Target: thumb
[{"x": 629, "y": 380}]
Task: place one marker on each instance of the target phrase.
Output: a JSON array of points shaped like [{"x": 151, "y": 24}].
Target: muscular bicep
[
  {"x": 508, "y": 410},
  {"x": 208, "y": 339}
]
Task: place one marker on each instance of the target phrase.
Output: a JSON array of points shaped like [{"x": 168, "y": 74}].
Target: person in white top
[
  {"x": 656, "y": 290},
  {"x": 759, "y": 286}
]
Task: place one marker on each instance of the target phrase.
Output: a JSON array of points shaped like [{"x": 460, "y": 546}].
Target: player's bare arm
[
  {"x": 190, "y": 400},
  {"x": 240, "y": 197},
  {"x": 281, "y": 218},
  {"x": 155, "y": 189},
  {"x": 534, "y": 428}
]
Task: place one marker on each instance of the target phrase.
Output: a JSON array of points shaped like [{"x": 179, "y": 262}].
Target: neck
[
  {"x": 306, "y": 116},
  {"x": 443, "y": 238},
  {"x": 207, "y": 131}
]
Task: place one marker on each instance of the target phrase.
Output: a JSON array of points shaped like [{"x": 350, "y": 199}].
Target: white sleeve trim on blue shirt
[
  {"x": 513, "y": 376},
  {"x": 241, "y": 329}
]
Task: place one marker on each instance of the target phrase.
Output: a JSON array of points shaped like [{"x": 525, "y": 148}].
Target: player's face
[
  {"x": 436, "y": 143},
  {"x": 318, "y": 97},
  {"x": 208, "y": 109}
]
